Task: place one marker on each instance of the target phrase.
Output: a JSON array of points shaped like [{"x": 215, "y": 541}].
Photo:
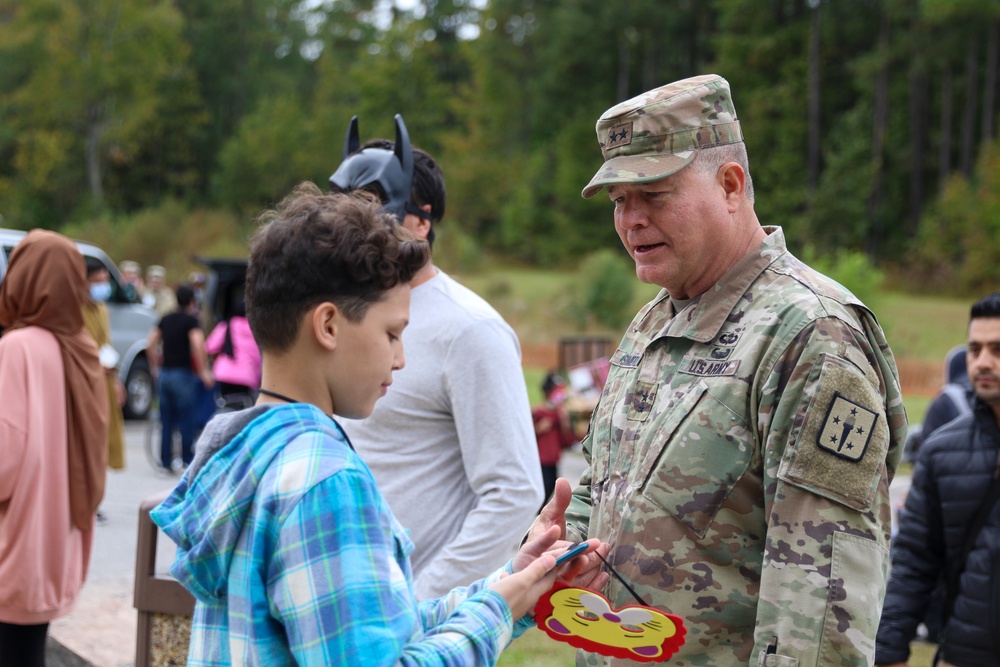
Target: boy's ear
[{"x": 323, "y": 320}]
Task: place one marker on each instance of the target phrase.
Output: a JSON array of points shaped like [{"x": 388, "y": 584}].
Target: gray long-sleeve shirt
[{"x": 452, "y": 445}]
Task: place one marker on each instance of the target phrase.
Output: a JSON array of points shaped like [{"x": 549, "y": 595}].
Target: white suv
[{"x": 130, "y": 325}]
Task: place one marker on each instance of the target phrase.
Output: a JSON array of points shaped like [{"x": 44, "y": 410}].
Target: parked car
[{"x": 130, "y": 325}]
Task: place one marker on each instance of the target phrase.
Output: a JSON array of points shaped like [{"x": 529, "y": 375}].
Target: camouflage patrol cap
[{"x": 656, "y": 134}]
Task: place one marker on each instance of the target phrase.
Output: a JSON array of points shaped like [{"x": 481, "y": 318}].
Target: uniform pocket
[
  {"x": 775, "y": 660},
  {"x": 608, "y": 424},
  {"x": 700, "y": 451},
  {"x": 858, "y": 571}
]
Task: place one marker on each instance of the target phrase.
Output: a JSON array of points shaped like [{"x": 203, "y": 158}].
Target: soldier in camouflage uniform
[{"x": 741, "y": 454}]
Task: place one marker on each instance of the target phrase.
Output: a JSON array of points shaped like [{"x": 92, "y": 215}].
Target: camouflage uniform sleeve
[
  {"x": 579, "y": 510},
  {"x": 831, "y": 422}
]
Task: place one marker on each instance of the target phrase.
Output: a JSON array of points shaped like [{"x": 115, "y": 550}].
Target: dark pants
[
  {"x": 23, "y": 645},
  {"x": 180, "y": 408}
]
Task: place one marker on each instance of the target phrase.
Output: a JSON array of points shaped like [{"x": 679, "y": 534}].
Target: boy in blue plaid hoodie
[{"x": 282, "y": 534}]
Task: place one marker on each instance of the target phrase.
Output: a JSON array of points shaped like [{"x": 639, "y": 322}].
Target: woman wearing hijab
[{"x": 53, "y": 442}]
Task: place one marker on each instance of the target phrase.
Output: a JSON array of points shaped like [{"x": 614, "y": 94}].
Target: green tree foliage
[
  {"x": 957, "y": 249},
  {"x": 172, "y": 234},
  {"x": 605, "y": 288},
  {"x": 84, "y": 83},
  {"x": 858, "y": 114},
  {"x": 852, "y": 269}
]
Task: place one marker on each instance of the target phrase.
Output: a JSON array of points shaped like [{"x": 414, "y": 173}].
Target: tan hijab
[{"x": 45, "y": 284}]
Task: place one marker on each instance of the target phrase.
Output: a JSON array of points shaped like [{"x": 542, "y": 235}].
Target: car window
[{"x": 120, "y": 293}]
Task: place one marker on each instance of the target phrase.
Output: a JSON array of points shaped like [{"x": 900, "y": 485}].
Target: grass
[
  {"x": 535, "y": 648},
  {"x": 538, "y": 303},
  {"x": 921, "y": 654},
  {"x": 923, "y": 327}
]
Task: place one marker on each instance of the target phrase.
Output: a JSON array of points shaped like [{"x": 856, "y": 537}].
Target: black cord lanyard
[
  {"x": 621, "y": 579},
  {"x": 289, "y": 399},
  {"x": 280, "y": 397}
]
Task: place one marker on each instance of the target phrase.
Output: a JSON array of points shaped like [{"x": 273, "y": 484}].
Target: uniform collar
[{"x": 705, "y": 315}]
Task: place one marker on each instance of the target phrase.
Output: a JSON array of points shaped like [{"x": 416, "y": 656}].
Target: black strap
[
  {"x": 289, "y": 399},
  {"x": 992, "y": 494},
  {"x": 410, "y": 207},
  {"x": 280, "y": 397},
  {"x": 621, "y": 579}
]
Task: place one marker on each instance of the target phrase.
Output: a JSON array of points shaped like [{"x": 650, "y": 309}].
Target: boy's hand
[
  {"x": 522, "y": 589},
  {"x": 583, "y": 570}
]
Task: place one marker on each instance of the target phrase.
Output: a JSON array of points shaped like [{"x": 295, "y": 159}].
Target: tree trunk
[
  {"x": 94, "y": 128},
  {"x": 623, "y": 66},
  {"x": 652, "y": 63},
  {"x": 879, "y": 129},
  {"x": 947, "y": 104},
  {"x": 814, "y": 101},
  {"x": 918, "y": 132},
  {"x": 969, "y": 117},
  {"x": 990, "y": 82}
]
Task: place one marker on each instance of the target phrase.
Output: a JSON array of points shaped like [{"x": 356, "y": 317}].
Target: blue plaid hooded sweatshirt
[{"x": 295, "y": 559}]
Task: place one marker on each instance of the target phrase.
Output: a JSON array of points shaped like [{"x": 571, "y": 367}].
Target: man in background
[
  {"x": 158, "y": 295},
  {"x": 132, "y": 275},
  {"x": 950, "y": 525},
  {"x": 179, "y": 365},
  {"x": 451, "y": 444}
]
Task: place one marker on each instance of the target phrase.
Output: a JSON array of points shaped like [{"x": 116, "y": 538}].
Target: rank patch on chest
[
  {"x": 639, "y": 401},
  {"x": 847, "y": 429}
]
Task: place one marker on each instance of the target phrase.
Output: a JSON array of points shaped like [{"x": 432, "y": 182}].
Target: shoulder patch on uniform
[
  {"x": 847, "y": 429},
  {"x": 838, "y": 447}
]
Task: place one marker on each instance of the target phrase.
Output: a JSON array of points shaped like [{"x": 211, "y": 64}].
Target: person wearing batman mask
[{"x": 452, "y": 444}]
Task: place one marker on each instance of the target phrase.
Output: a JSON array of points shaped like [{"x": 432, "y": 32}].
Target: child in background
[
  {"x": 237, "y": 358},
  {"x": 552, "y": 430},
  {"x": 282, "y": 534}
]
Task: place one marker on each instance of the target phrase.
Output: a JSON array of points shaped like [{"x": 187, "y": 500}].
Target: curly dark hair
[{"x": 315, "y": 247}]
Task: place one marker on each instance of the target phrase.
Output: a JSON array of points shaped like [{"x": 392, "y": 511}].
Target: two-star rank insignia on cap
[
  {"x": 847, "y": 429},
  {"x": 619, "y": 135}
]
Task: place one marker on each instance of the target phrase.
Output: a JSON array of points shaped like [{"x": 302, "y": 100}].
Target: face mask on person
[{"x": 100, "y": 291}]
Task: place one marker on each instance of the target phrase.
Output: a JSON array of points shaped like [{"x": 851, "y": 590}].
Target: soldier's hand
[{"x": 554, "y": 512}]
